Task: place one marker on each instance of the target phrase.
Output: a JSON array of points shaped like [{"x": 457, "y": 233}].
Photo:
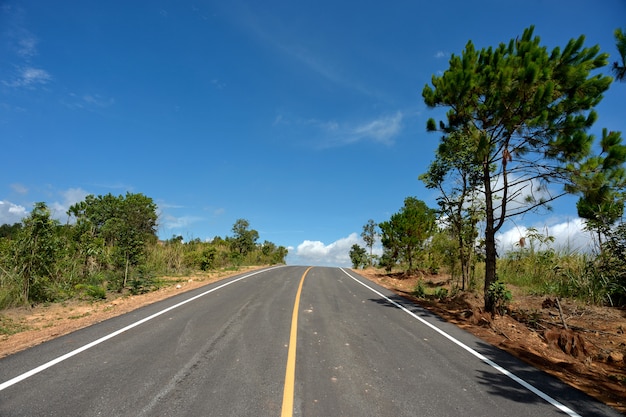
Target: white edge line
[
  {"x": 75, "y": 352},
  {"x": 488, "y": 361}
]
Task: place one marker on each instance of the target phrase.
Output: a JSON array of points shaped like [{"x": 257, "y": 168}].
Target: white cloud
[
  {"x": 569, "y": 236},
  {"x": 380, "y": 130},
  {"x": 315, "y": 252},
  {"x": 167, "y": 221},
  {"x": 58, "y": 209},
  {"x": 11, "y": 213},
  {"x": 441, "y": 54}
]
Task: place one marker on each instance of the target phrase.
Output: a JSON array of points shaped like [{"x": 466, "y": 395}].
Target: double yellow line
[{"x": 290, "y": 374}]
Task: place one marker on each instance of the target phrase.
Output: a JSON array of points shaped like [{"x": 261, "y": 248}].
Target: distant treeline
[{"x": 110, "y": 244}]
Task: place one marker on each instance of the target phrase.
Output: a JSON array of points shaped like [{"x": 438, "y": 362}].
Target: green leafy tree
[
  {"x": 35, "y": 251},
  {"x": 358, "y": 256},
  {"x": 10, "y": 231},
  {"x": 404, "y": 236},
  {"x": 619, "y": 68},
  {"x": 529, "y": 111},
  {"x": 122, "y": 225},
  {"x": 456, "y": 174},
  {"x": 244, "y": 239},
  {"x": 369, "y": 235},
  {"x": 600, "y": 181},
  {"x": 279, "y": 255},
  {"x": 273, "y": 254}
]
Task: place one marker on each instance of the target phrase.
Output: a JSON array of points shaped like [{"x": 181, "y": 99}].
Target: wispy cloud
[
  {"x": 268, "y": 29},
  {"x": 87, "y": 101},
  {"x": 218, "y": 84},
  {"x": 381, "y": 130},
  {"x": 98, "y": 100},
  {"x": 27, "y": 45},
  {"x": 29, "y": 77},
  {"x": 24, "y": 44},
  {"x": 441, "y": 54},
  {"x": 19, "y": 188}
]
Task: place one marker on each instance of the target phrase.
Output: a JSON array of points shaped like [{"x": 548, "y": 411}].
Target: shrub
[{"x": 500, "y": 296}]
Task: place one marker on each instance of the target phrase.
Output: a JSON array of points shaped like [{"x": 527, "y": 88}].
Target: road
[{"x": 285, "y": 341}]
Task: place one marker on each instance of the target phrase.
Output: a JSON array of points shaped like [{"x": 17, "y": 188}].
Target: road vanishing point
[{"x": 282, "y": 341}]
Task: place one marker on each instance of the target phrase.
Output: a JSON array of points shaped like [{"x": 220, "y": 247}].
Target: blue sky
[{"x": 305, "y": 118}]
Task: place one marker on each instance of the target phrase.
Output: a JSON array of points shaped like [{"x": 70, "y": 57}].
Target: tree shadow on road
[{"x": 498, "y": 384}]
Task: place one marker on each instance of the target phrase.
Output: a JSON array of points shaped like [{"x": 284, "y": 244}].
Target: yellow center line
[{"x": 290, "y": 374}]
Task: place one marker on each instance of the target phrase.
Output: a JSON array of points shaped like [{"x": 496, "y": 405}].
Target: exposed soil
[{"x": 589, "y": 355}]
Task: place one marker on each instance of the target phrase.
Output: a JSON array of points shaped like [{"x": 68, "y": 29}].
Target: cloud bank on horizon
[{"x": 569, "y": 236}]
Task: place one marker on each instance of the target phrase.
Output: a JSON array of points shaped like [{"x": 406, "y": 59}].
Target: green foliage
[
  {"x": 96, "y": 292},
  {"x": 611, "y": 265},
  {"x": 619, "y": 68},
  {"x": 10, "y": 231},
  {"x": 209, "y": 258},
  {"x": 524, "y": 112},
  {"x": 35, "y": 250},
  {"x": 456, "y": 173},
  {"x": 113, "y": 232},
  {"x": 500, "y": 295},
  {"x": 369, "y": 235},
  {"x": 419, "y": 291},
  {"x": 441, "y": 293},
  {"x": 244, "y": 239},
  {"x": 358, "y": 256},
  {"x": 405, "y": 235},
  {"x": 600, "y": 181},
  {"x": 538, "y": 269},
  {"x": 388, "y": 260},
  {"x": 111, "y": 246}
]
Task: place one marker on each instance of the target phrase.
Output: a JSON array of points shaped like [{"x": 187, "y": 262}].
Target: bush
[
  {"x": 96, "y": 292},
  {"x": 419, "y": 290},
  {"x": 441, "y": 293},
  {"x": 500, "y": 296}
]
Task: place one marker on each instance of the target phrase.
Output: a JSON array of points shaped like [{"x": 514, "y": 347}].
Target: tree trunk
[
  {"x": 126, "y": 272},
  {"x": 490, "y": 241},
  {"x": 463, "y": 259},
  {"x": 490, "y": 266}
]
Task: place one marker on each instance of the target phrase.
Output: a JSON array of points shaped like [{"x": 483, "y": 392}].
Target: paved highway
[{"x": 285, "y": 341}]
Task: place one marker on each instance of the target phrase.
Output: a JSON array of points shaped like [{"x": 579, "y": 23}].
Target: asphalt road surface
[{"x": 285, "y": 341}]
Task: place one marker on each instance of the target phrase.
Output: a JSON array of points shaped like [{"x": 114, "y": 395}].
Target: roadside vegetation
[
  {"x": 515, "y": 137},
  {"x": 110, "y": 244}
]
